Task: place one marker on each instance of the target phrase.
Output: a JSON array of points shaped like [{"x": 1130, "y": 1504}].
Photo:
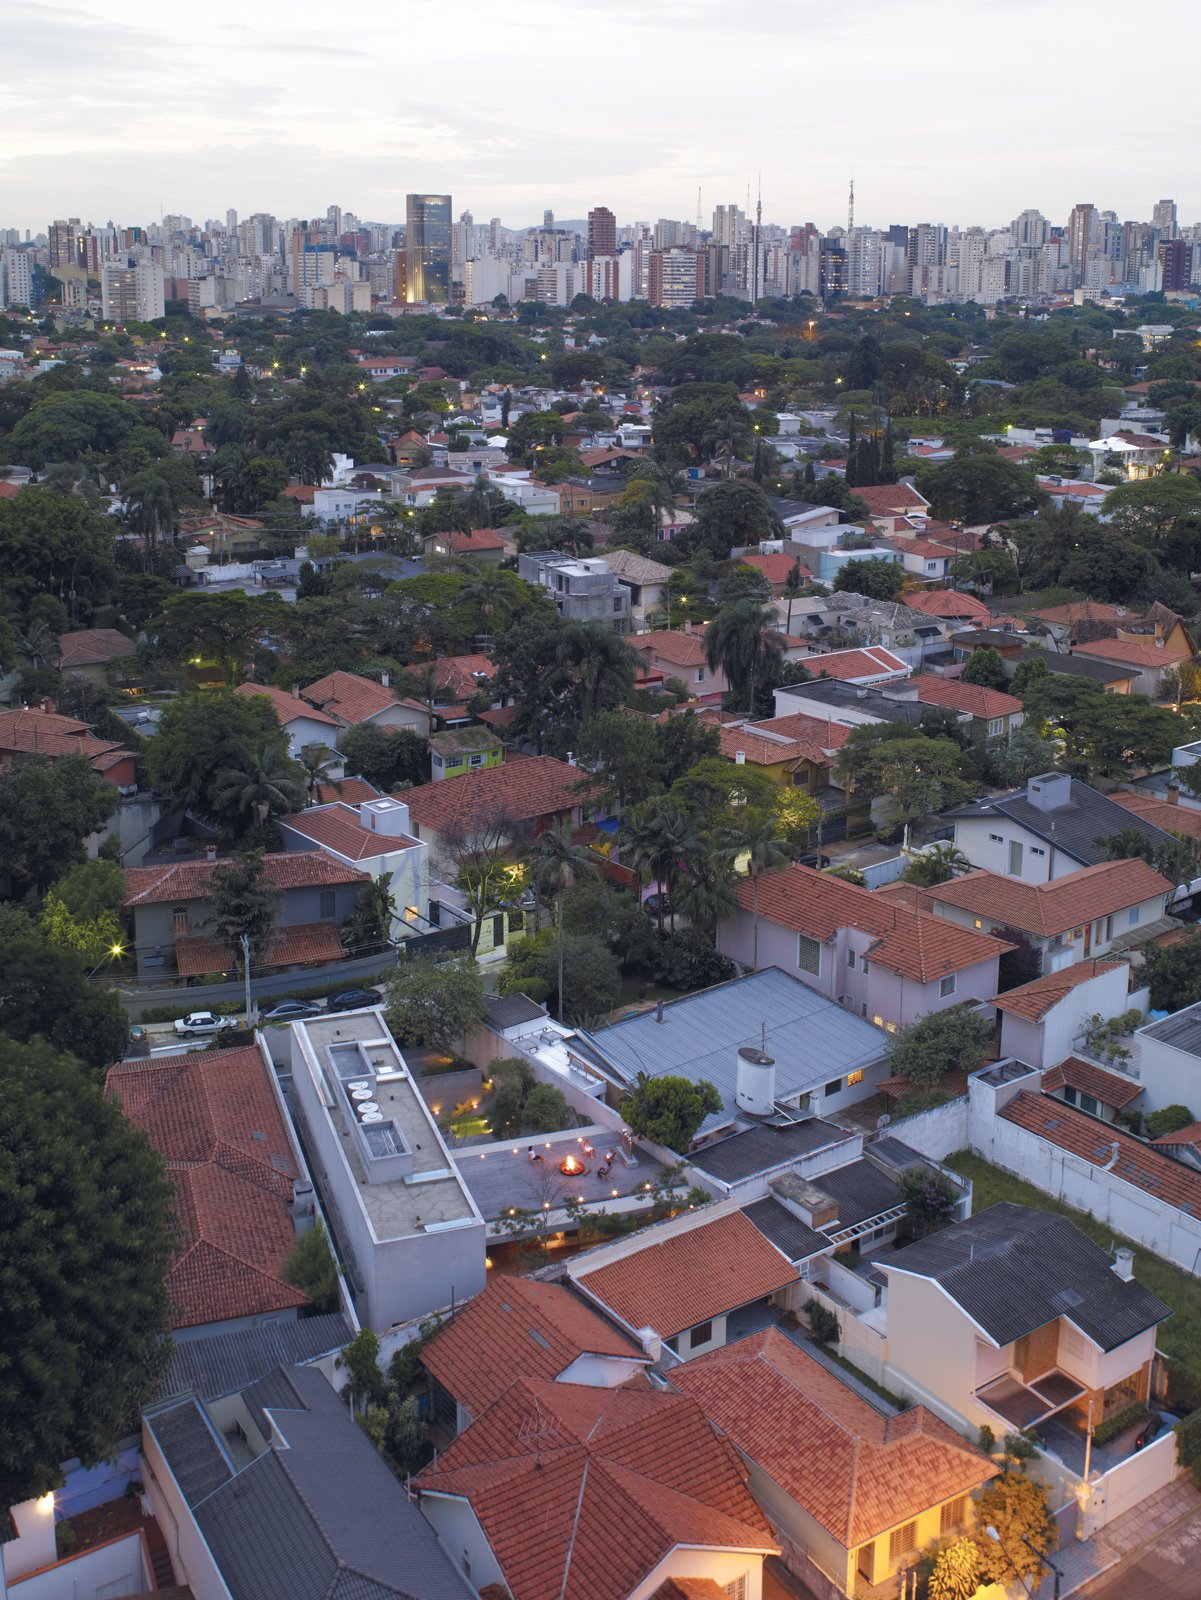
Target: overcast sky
[{"x": 945, "y": 110}]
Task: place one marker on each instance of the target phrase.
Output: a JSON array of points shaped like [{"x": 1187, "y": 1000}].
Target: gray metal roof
[
  {"x": 1182, "y": 1030},
  {"x": 766, "y": 1147},
  {"x": 189, "y": 1442},
  {"x": 509, "y": 1010},
  {"x": 323, "y": 1519},
  {"x": 1067, "y": 666},
  {"x": 786, "y": 1231},
  {"x": 225, "y": 1363},
  {"x": 1073, "y": 828},
  {"x": 860, "y": 1190},
  {"x": 812, "y": 1039},
  {"x": 1013, "y": 1269}
]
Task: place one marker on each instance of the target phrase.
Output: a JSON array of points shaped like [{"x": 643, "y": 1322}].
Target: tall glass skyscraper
[{"x": 427, "y": 248}]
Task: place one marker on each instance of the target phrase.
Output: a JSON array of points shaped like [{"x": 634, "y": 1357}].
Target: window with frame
[
  {"x": 854, "y": 1077},
  {"x": 737, "y": 1589},
  {"x": 996, "y": 838},
  {"x": 1037, "y": 850},
  {"x": 701, "y": 1334},
  {"x": 953, "y": 1515},
  {"x": 996, "y": 727},
  {"x": 326, "y": 905},
  {"x": 851, "y": 959},
  {"x": 1132, "y": 917},
  {"x": 901, "y": 1541},
  {"x": 809, "y": 954},
  {"x": 1015, "y": 857},
  {"x": 946, "y": 986},
  {"x": 1088, "y": 1103},
  {"x": 834, "y": 1087},
  {"x": 179, "y": 919}
]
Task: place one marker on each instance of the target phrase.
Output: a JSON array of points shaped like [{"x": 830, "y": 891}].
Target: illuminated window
[
  {"x": 977, "y": 923},
  {"x": 878, "y": 1020},
  {"x": 854, "y": 1077},
  {"x": 890, "y": 1027},
  {"x": 411, "y": 914}
]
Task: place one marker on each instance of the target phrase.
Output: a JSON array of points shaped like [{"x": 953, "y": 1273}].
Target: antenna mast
[
  {"x": 755, "y": 237},
  {"x": 851, "y": 209},
  {"x": 698, "y": 209}
]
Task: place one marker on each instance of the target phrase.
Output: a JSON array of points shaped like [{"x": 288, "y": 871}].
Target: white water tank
[{"x": 755, "y": 1084}]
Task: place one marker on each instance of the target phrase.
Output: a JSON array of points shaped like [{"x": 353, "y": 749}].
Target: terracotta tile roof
[
  {"x": 807, "y": 728},
  {"x": 338, "y": 828},
  {"x": 287, "y": 707},
  {"x": 92, "y": 647},
  {"x": 1131, "y": 652},
  {"x": 891, "y": 499},
  {"x": 1138, "y": 1164},
  {"x": 350, "y": 697},
  {"x": 776, "y": 567},
  {"x": 466, "y": 544},
  {"x": 1110, "y": 1087},
  {"x": 456, "y": 676},
  {"x": 1190, "y": 1135},
  {"x": 906, "y": 894},
  {"x": 216, "y": 1122},
  {"x": 690, "y": 1277},
  {"x": 541, "y": 1328},
  {"x": 518, "y": 792},
  {"x": 192, "y": 880},
  {"x": 911, "y": 943},
  {"x": 1034, "y": 999},
  {"x": 691, "y": 1589},
  {"x": 634, "y": 568},
  {"x": 972, "y": 698},
  {"x": 350, "y": 791},
  {"x": 856, "y": 1472},
  {"x": 298, "y": 944},
  {"x": 947, "y": 603},
  {"x": 927, "y": 549},
  {"x": 45, "y": 733},
  {"x": 1083, "y": 611},
  {"x": 858, "y": 666},
  {"x": 1182, "y": 820},
  {"x": 9, "y": 491},
  {"x": 757, "y": 750},
  {"x": 671, "y": 645},
  {"x": 555, "y": 1471},
  {"x": 1047, "y": 909}
]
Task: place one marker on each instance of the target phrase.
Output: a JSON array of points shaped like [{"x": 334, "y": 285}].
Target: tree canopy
[{"x": 669, "y": 1110}]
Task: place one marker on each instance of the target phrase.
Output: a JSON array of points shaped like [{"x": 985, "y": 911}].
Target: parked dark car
[
  {"x": 293, "y": 1011},
  {"x": 353, "y": 999},
  {"x": 139, "y": 1042},
  {"x": 813, "y": 859}
]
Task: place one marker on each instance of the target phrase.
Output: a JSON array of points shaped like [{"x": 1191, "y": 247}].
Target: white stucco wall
[
  {"x": 190, "y": 1555},
  {"x": 721, "y": 1566},
  {"x": 461, "y": 1536},
  {"x": 1170, "y": 1077}
]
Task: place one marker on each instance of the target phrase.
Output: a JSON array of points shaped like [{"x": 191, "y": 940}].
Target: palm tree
[
  {"x": 738, "y": 642},
  {"x": 723, "y": 439},
  {"x": 758, "y": 838},
  {"x": 265, "y": 781},
  {"x": 555, "y": 862},
  {"x": 318, "y": 762},
  {"x": 601, "y": 663},
  {"x": 706, "y": 893},
  {"x": 660, "y": 837},
  {"x": 150, "y": 507},
  {"x": 938, "y": 863},
  {"x": 37, "y": 643},
  {"x": 488, "y": 590}
]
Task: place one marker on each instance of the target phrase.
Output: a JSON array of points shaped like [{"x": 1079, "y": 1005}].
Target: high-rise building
[
  {"x": 427, "y": 248},
  {"x": 602, "y": 233},
  {"x": 62, "y": 243},
  {"x": 1163, "y": 220},
  {"x": 676, "y": 278},
  {"x": 132, "y": 293},
  {"x": 1030, "y": 229},
  {"x": 1083, "y": 225},
  {"x": 1176, "y": 259},
  {"x": 16, "y": 281}
]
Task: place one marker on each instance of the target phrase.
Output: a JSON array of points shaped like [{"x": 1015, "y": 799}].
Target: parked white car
[{"x": 198, "y": 1023}]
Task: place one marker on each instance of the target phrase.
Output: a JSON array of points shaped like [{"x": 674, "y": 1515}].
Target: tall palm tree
[
  {"x": 37, "y": 643},
  {"x": 265, "y": 781},
  {"x": 706, "y": 893},
  {"x": 660, "y": 837},
  {"x": 759, "y": 840},
  {"x": 488, "y": 590},
  {"x": 601, "y": 663},
  {"x": 723, "y": 439},
  {"x": 150, "y": 507},
  {"x": 555, "y": 863},
  {"x": 318, "y": 763},
  {"x": 739, "y": 643}
]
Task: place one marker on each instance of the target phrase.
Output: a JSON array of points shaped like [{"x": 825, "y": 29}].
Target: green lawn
[{"x": 1180, "y": 1336}]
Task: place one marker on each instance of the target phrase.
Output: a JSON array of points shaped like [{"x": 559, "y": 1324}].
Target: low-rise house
[
  {"x": 1183, "y": 821},
  {"x": 349, "y": 698},
  {"x": 582, "y": 587},
  {"x": 306, "y": 727},
  {"x": 845, "y": 706},
  {"x": 1101, "y": 1092},
  {"x": 457, "y": 679},
  {"x": 875, "y": 956},
  {"x": 632, "y": 1494},
  {"x": 681, "y": 1281},
  {"x": 276, "y": 1493},
  {"x": 32, "y": 732},
  {"x": 950, "y": 605},
  {"x": 172, "y": 913},
  {"x": 241, "y": 1187},
  {"x": 680, "y": 653},
  {"x": 1079, "y": 621},
  {"x": 926, "y": 559},
  {"x": 643, "y": 578},
  {"x": 504, "y": 803},
  {"x": 1105, "y": 675},
  {"x": 487, "y": 546},
  {"x": 1183, "y": 1145},
  {"x": 409, "y": 1235},
  {"x": 1068, "y": 919},
  {"x": 779, "y": 568},
  {"x": 1151, "y": 659},
  {"x": 455, "y": 751},
  {"x": 1047, "y": 830},
  {"x": 861, "y": 668},
  {"x": 991, "y": 714},
  {"x": 546, "y": 1331},
  {"x": 1044, "y": 1020},
  {"x": 795, "y": 752},
  {"x": 891, "y": 505},
  {"x": 1169, "y": 1060},
  {"x": 850, "y": 1490},
  {"x": 90, "y": 653},
  {"x": 370, "y": 839},
  {"x": 845, "y": 619}
]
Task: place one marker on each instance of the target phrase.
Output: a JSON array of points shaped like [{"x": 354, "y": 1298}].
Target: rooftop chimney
[
  {"x": 1123, "y": 1264},
  {"x": 659, "y": 1011},
  {"x": 386, "y": 679},
  {"x": 210, "y": 852},
  {"x": 740, "y": 758}
]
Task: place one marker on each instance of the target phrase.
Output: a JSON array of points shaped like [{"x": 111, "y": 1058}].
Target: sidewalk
[{"x": 1086, "y": 1559}]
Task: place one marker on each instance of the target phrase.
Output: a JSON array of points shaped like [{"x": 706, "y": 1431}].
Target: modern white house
[{"x": 373, "y": 837}]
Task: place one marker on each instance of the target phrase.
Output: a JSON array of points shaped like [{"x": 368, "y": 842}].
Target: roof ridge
[{"x": 575, "y": 1526}]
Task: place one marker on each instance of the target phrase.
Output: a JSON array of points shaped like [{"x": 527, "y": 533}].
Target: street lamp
[
  {"x": 113, "y": 951},
  {"x": 1034, "y": 1551}
]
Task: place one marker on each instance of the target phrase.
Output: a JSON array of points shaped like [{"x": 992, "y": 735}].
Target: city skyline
[{"x": 941, "y": 116}]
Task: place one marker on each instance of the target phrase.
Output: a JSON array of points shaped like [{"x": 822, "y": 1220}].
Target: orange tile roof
[
  {"x": 947, "y": 603},
  {"x": 776, "y": 567},
  {"x": 350, "y": 697},
  {"x": 89, "y": 647},
  {"x": 541, "y": 1328},
  {"x": 582, "y": 1492},
  {"x": 857, "y": 666},
  {"x": 351, "y": 791},
  {"x": 44, "y": 733},
  {"x": 1131, "y": 652},
  {"x": 1034, "y": 999},
  {"x": 1047, "y": 909},
  {"x": 822, "y": 733},
  {"x": 464, "y": 544},
  {"x": 299, "y": 944},
  {"x": 857, "y": 1472},
  {"x": 1138, "y": 1164},
  {"x": 460, "y": 676},
  {"x": 673, "y": 646},
  {"x": 691, "y": 1589},
  {"x": 1110, "y": 1087},
  {"x": 690, "y": 1277},
  {"x": 911, "y": 943},
  {"x": 1178, "y": 819},
  {"x": 518, "y": 792},
  {"x": 973, "y": 698},
  {"x": 338, "y": 828},
  {"x": 287, "y": 707},
  {"x": 928, "y": 549},
  {"x": 891, "y": 499},
  {"x": 1083, "y": 611},
  {"x": 214, "y": 1119},
  {"x": 192, "y": 880},
  {"x": 1189, "y": 1135}
]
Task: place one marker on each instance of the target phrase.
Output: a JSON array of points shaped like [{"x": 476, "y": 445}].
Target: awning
[{"x": 1024, "y": 1404}]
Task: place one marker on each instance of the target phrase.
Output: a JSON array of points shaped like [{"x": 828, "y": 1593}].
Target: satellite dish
[{"x": 882, "y": 1122}]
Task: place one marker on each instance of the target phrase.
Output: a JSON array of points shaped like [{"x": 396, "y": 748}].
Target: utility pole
[{"x": 246, "y": 966}]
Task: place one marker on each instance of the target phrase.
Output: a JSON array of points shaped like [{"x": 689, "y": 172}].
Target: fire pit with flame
[{"x": 572, "y": 1167}]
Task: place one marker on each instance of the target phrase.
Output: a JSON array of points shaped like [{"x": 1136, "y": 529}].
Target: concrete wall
[
  {"x": 122, "y": 1566},
  {"x": 1047, "y": 1043},
  {"x": 1130, "y": 1482},
  {"x": 460, "y": 1535},
  {"x": 938, "y": 1132},
  {"x": 976, "y": 839},
  {"x": 1169, "y": 1076}
]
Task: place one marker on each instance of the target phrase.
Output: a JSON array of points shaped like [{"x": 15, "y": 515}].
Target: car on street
[
  {"x": 353, "y": 999},
  {"x": 139, "y": 1042},
  {"x": 293, "y": 1011},
  {"x": 201, "y": 1024},
  {"x": 813, "y": 859}
]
